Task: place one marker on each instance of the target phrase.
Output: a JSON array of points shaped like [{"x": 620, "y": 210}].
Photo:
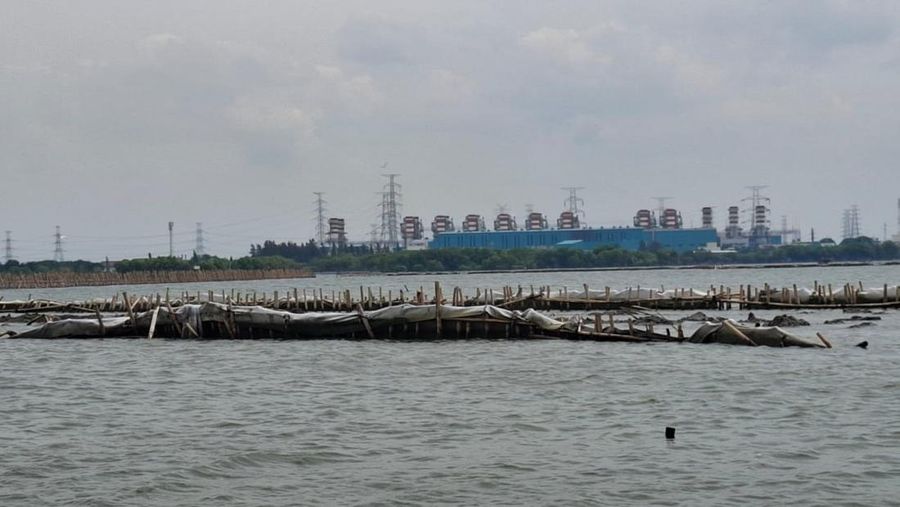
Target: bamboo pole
[
  {"x": 437, "y": 308},
  {"x": 738, "y": 332},
  {"x": 153, "y": 322}
]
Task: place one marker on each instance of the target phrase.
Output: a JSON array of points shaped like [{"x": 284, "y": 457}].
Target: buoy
[
  {"x": 670, "y": 433},
  {"x": 863, "y": 344}
]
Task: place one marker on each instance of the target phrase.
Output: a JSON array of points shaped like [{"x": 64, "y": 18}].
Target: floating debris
[{"x": 855, "y": 318}]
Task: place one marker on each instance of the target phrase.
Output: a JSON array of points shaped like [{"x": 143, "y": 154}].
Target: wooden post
[
  {"x": 437, "y": 308},
  {"x": 100, "y": 322},
  {"x": 153, "y": 322},
  {"x": 738, "y": 332},
  {"x": 128, "y": 308},
  {"x": 364, "y": 320},
  {"x": 174, "y": 318}
]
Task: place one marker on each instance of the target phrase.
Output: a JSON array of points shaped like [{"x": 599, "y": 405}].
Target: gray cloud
[{"x": 117, "y": 118}]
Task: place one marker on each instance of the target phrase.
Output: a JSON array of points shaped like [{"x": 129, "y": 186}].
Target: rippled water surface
[{"x": 165, "y": 422}]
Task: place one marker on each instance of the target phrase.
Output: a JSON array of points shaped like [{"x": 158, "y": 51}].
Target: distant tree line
[
  {"x": 858, "y": 249},
  {"x": 272, "y": 255},
  {"x": 309, "y": 251}
]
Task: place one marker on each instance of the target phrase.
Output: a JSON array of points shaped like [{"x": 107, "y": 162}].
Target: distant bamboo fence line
[{"x": 67, "y": 279}]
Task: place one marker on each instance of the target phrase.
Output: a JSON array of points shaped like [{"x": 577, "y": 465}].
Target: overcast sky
[{"x": 118, "y": 116}]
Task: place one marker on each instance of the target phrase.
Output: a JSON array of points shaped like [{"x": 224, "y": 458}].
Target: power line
[{"x": 320, "y": 218}]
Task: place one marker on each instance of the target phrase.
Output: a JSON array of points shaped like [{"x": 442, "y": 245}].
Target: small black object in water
[
  {"x": 670, "y": 433},
  {"x": 863, "y": 344}
]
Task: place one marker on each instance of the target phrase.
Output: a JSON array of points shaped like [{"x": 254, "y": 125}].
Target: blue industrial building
[{"x": 628, "y": 238}]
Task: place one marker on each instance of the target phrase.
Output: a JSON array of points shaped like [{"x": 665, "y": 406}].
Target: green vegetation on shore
[
  {"x": 206, "y": 263},
  {"x": 271, "y": 255},
  {"x": 859, "y": 250}
]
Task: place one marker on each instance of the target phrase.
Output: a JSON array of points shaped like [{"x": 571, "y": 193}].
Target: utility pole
[
  {"x": 574, "y": 203},
  {"x": 199, "y": 248},
  {"x": 320, "y": 218},
  {"x": 171, "y": 240},
  {"x": 58, "y": 246},
  {"x": 8, "y": 251}
]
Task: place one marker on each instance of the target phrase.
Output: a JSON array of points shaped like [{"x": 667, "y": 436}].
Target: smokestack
[{"x": 707, "y": 213}]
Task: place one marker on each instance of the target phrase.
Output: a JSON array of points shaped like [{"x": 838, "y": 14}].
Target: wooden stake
[
  {"x": 437, "y": 308},
  {"x": 153, "y": 322},
  {"x": 738, "y": 332},
  {"x": 824, "y": 341}
]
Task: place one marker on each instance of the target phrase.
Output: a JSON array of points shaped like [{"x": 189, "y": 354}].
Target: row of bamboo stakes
[{"x": 747, "y": 296}]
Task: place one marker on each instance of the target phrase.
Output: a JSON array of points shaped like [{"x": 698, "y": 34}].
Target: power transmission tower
[
  {"x": 58, "y": 246},
  {"x": 574, "y": 203},
  {"x": 8, "y": 251},
  {"x": 320, "y": 218},
  {"x": 851, "y": 222},
  {"x": 759, "y": 209},
  {"x": 390, "y": 211},
  {"x": 199, "y": 248},
  {"x": 171, "y": 240},
  {"x": 661, "y": 207},
  {"x": 373, "y": 237}
]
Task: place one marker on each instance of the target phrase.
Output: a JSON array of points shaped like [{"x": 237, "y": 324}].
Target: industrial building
[{"x": 628, "y": 238}]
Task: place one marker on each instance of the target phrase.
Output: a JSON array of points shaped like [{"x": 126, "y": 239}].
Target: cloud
[
  {"x": 270, "y": 114},
  {"x": 563, "y": 45}
]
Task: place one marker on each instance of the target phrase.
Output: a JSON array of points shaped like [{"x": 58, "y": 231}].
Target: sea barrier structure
[
  {"x": 403, "y": 322},
  {"x": 190, "y": 316}
]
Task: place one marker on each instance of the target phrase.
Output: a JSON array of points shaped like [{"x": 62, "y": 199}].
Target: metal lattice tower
[
  {"x": 757, "y": 225},
  {"x": 850, "y": 227},
  {"x": 8, "y": 250},
  {"x": 390, "y": 211},
  {"x": 199, "y": 247},
  {"x": 661, "y": 207},
  {"x": 574, "y": 203},
  {"x": 171, "y": 240},
  {"x": 58, "y": 246},
  {"x": 320, "y": 218},
  {"x": 898, "y": 217},
  {"x": 373, "y": 236}
]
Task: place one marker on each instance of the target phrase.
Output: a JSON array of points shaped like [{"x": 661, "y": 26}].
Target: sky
[{"x": 118, "y": 117}]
